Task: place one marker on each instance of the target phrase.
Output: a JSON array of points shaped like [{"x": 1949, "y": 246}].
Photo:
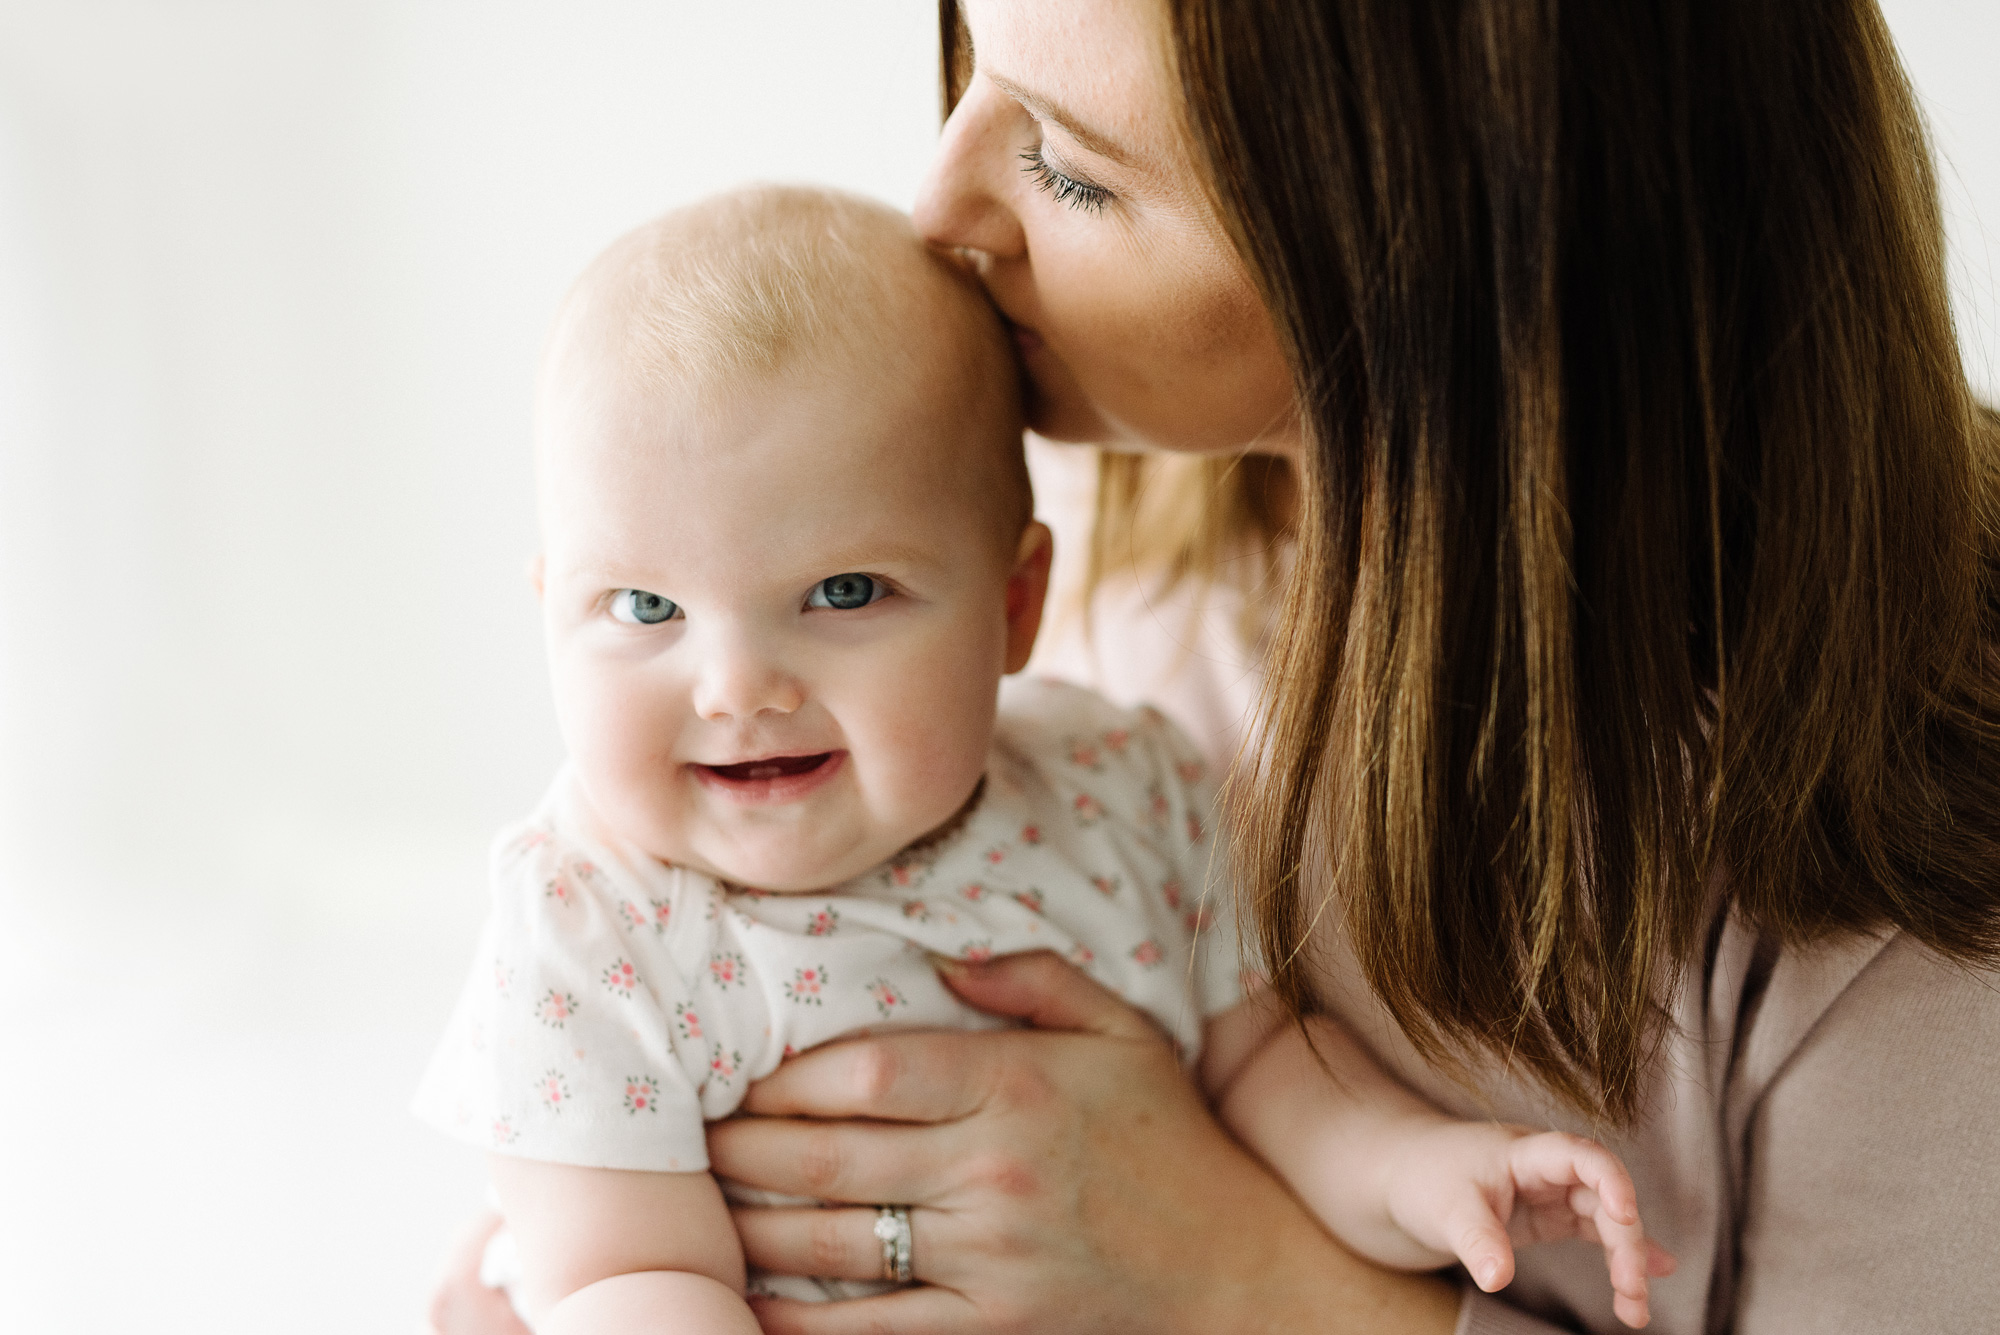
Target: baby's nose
[{"x": 738, "y": 682}]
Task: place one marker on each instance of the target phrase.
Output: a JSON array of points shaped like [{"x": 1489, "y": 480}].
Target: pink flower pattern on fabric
[
  {"x": 555, "y": 1008},
  {"x": 885, "y": 996},
  {"x": 527, "y": 842},
  {"x": 642, "y": 1094},
  {"x": 722, "y": 1066},
  {"x": 808, "y": 986},
  {"x": 620, "y": 977}
]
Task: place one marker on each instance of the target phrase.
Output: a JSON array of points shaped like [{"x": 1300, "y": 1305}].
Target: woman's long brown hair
[{"x": 1648, "y": 530}]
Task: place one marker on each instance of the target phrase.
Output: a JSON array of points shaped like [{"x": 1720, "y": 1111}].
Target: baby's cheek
[
  {"x": 934, "y": 733},
  {"x": 620, "y": 739}
]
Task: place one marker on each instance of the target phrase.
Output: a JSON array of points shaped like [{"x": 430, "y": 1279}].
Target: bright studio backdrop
[{"x": 272, "y": 278}]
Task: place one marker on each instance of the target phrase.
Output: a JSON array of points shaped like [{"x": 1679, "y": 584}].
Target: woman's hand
[
  {"x": 1064, "y": 1180},
  {"x": 461, "y": 1304}
]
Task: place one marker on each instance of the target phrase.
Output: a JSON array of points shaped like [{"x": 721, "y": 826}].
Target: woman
[{"x": 1631, "y": 751}]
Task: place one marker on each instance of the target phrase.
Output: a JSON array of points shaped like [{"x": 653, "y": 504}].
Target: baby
[{"x": 789, "y": 556}]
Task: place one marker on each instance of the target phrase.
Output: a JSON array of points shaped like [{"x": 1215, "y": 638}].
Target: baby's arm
[
  {"x": 1400, "y": 1182},
  {"x": 604, "y": 1249}
]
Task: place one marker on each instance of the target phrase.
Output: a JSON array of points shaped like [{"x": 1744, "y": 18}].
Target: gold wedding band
[{"x": 892, "y": 1226}]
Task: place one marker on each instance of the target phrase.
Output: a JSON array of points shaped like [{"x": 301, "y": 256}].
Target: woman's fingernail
[{"x": 947, "y": 964}]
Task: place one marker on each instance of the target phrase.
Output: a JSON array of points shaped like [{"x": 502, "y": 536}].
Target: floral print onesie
[{"x": 618, "y": 1003}]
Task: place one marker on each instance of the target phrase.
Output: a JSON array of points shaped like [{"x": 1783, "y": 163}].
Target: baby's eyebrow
[{"x": 872, "y": 555}]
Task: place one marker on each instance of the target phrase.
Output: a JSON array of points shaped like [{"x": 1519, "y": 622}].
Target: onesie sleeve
[{"x": 572, "y": 1038}]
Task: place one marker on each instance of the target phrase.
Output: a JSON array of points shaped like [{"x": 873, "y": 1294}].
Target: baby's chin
[
  {"x": 778, "y": 866},
  {"x": 781, "y": 871}
]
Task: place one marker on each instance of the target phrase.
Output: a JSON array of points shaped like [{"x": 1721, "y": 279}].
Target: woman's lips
[
  {"x": 772, "y": 778},
  {"x": 1026, "y": 339}
]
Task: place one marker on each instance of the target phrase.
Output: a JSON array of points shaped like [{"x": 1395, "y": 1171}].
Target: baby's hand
[{"x": 1474, "y": 1190}]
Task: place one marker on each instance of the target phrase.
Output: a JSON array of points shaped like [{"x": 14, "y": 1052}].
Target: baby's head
[{"x": 788, "y": 545}]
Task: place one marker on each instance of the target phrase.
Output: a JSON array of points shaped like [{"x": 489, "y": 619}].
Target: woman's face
[{"x": 1067, "y": 174}]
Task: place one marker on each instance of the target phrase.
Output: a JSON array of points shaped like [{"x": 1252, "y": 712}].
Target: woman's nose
[
  {"x": 740, "y": 680},
  {"x": 964, "y": 200}
]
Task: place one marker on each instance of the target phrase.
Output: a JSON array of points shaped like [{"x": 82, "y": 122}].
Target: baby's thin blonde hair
[{"x": 754, "y": 282}]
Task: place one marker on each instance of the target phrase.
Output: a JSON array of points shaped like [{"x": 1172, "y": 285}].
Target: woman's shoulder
[
  {"x": 1870, "y": 1183},
  {"x": 1868, "y": 1005}
]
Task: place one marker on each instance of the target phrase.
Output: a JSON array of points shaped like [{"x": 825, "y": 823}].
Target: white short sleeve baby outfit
[{"x": 618, "y": 1003}]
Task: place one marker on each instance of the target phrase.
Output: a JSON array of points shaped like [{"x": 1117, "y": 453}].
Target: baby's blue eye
[
  {"x": 636, "y": 607},
  {"x": 845, "y": 592}
]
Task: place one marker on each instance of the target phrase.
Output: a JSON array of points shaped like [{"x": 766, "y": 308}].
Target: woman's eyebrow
[{"x": 1044, "y": 110}]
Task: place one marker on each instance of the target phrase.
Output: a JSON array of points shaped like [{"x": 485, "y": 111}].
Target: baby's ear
[
  {"x": 1027, "y": 590},
  {"x": 535, "y": 566}
]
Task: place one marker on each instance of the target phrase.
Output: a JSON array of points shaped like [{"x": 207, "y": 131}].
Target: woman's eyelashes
[
  {"x": 1065, "y": 189},
  {"x": 844, "y": 593},
  {"x": 636, "y": 607}
]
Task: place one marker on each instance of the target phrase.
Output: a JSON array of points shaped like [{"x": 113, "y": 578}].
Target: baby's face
[{"x": 776, "y": 621}]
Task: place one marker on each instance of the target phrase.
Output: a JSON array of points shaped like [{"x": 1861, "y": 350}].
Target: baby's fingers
[
  {"x": 1600, "y": 1193},
  {"x": 1553, "y": 1161},
  {"x": 1629, "y": 1254},
  {"x": 1479, "y": 1240}
]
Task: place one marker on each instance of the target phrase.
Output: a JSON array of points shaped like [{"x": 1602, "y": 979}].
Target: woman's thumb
[{"x": 1046, "y": 991}]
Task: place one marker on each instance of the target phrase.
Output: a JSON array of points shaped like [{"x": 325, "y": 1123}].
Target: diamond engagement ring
[{"x": 892, "y": 1226}]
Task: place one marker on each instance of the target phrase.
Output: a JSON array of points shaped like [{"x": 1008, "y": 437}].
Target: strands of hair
[{"x": 1647, "y": 536}]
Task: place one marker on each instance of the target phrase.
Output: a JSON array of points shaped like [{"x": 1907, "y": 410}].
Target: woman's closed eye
[
  {"x": 843, "y": 593},
  {"x": 636, "y": 607},
  {"x": 1065, "y": 188}
]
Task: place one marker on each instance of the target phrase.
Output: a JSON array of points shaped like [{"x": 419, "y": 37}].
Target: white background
[{"x": 273, "y": 274}]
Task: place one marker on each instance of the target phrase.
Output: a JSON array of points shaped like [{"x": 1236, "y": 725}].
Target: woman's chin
[{"x": 1057, "y": 408}]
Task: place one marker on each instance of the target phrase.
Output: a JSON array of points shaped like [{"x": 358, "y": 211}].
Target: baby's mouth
[{"x": 771, "y": 767}]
